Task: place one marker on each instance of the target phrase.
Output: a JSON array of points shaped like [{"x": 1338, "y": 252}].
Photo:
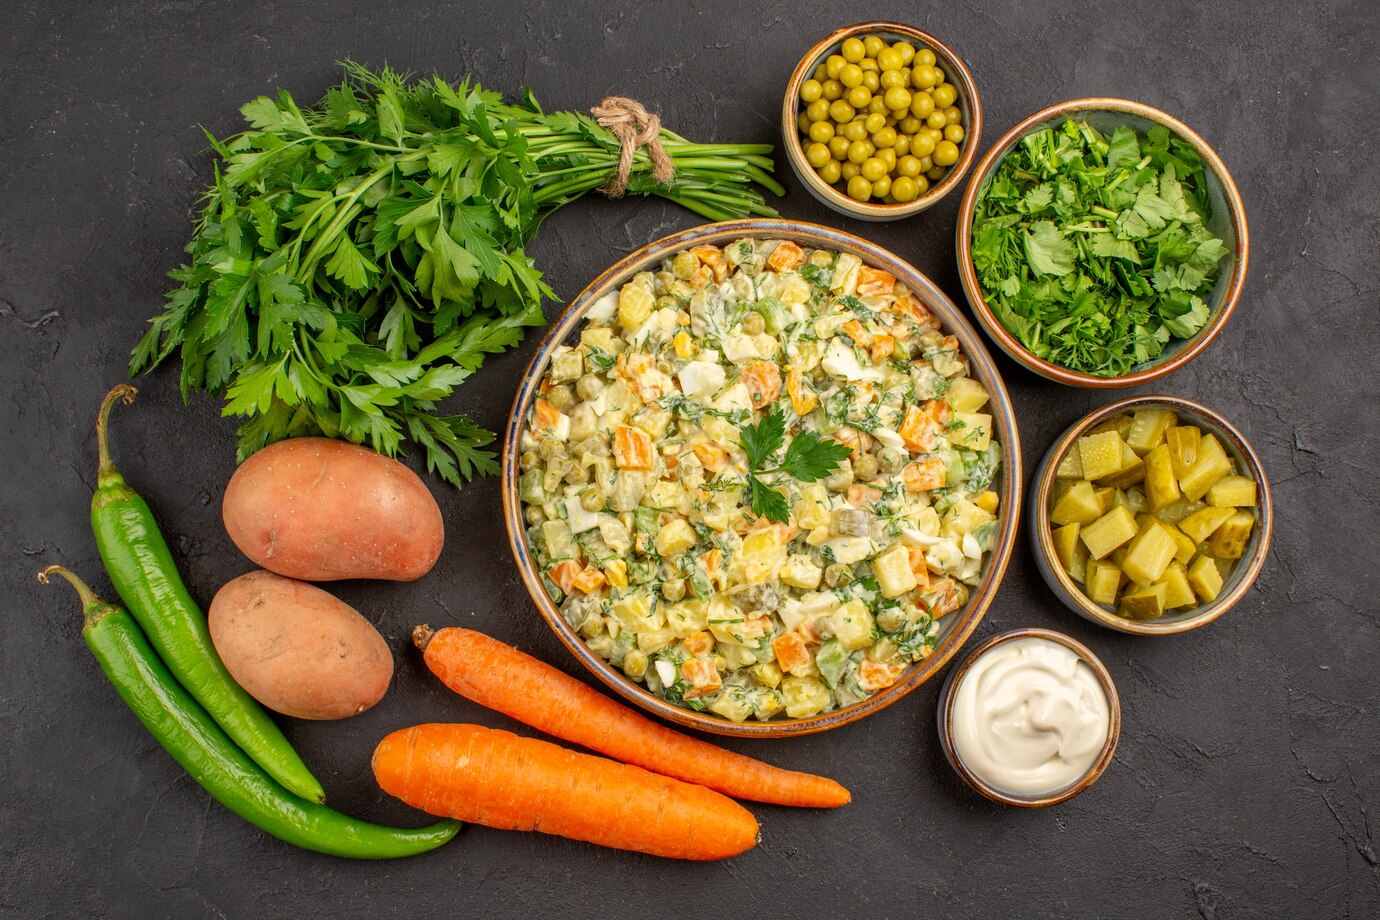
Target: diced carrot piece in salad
[
  {"x": 803, "y": 399},
  {"x": 876, "y": 675},
  {"x": 589, "y": 580},
  {"x": 763, "y": 382},
  {"x": 919, "y": 431},
  {"x": 702, "y": 676},
  {"x": 862, "y": 495},
  {"x": 632, "y": 449},
  {"x": 873, "y": 282},
  {"x": 910, "y": 307},
  {"x": 942, "y": 597},
  {"x": 545, "y": 417},
  {"x": 939, "y": 410},
  {"x": 785, "y": 257},
  {"x": 711, "y": 456},
  {"x": 919, "y": 567},
  {"x": 924, "y": 474},
  {"x": 564, "y": 574},
  {"x": 791, "y": 652},
  {"x": 857, "y": 332},
  {"x": 883, "y": 344},
  {"x": 699, "y": 643}
]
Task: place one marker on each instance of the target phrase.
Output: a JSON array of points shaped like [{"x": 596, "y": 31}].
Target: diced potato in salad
[{"x": 635, "y": 483}]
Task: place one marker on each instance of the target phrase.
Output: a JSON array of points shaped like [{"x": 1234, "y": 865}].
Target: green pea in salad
[{"x": 760, "y": 479}]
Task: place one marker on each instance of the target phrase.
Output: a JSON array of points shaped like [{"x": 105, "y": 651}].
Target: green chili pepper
[
  {"x": 197, "y": 743},
  {"x": 140, "y": 565}
]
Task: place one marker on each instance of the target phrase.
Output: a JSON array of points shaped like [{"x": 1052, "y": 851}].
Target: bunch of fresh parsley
[
  {"x": 1094, "y": 251},
  {"x": 807, "y": 458},
  {"x": 354, "y": 262}
]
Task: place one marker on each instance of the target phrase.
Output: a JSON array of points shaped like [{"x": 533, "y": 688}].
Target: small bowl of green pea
[{"x": 881, "y": 120}]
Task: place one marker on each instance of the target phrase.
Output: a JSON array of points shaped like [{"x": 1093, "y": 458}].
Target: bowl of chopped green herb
[{"x": 1102, "y": 243}]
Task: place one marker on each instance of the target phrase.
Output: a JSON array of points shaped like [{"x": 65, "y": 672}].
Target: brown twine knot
[{"x": 634, "y": 127}]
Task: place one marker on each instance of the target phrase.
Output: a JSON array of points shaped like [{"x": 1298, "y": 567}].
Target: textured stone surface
[{"x": 1247, "y": 783}]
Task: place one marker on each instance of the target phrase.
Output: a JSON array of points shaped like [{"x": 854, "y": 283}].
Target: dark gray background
[{"x": 1246, "y": 784}]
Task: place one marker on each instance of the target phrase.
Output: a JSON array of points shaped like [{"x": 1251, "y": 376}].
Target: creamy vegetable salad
[{"x": 638, "y": 492}]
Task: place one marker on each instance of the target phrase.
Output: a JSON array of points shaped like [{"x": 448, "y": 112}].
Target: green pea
[
  {"x": 921, "y": 105},
  {"x": 859, "y": 188},
  {"x": 945, "y": 154},
  {"x": 897, "y": 99}
]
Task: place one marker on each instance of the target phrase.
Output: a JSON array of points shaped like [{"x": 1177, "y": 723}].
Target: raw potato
[
  {"x": 297, "y": 649},
  {"x": 323, "y": 510}
]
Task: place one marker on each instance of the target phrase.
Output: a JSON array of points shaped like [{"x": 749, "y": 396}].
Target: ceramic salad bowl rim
[
  {"x": 1071, "y": 593},
  {"x": 968, "y": 101},
  {"x": 1222, "y": 308},
  {"x": 1037, "y": 800},
  {"x": 982, "y": 368}
]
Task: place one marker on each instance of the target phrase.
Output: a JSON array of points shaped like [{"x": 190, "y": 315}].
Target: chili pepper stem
[
  {"x": 106, "y": 474},
  {"x": 94, "y": 607}
]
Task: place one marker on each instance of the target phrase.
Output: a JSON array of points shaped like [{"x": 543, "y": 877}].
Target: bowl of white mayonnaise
[{"x": 1029, "y": 718}]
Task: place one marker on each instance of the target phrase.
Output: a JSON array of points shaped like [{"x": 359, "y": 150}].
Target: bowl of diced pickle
[{"x": 1151, "y": 515}]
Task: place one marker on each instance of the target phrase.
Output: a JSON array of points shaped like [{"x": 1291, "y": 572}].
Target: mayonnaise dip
[{"x": 1030, "y": 717}]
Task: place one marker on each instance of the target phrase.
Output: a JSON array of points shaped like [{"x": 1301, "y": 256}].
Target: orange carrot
[
  {"x": 498, "y": 779},
  {"x": 500, "y": 677}
]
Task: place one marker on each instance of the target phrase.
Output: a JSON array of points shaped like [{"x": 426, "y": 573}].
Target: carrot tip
[{"x": 421, "y": 636}]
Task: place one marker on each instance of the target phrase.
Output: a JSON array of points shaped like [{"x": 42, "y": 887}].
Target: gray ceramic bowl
[
  {"x": 1243, "y": 574},
  {"x": 958, "y": 625}
]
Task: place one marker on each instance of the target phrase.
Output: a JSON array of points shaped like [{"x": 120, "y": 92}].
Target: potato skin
[
  {"x": 297, "y": 649},
  {"x": 323, "y": 510}
]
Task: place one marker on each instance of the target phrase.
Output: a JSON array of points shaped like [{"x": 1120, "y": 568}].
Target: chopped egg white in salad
[{"x": 638, "y": 497}]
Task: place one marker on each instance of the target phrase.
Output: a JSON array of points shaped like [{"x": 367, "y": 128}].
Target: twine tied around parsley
[{"x": 634, "y": 126}]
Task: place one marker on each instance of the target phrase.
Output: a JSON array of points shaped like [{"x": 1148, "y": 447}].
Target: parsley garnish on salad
[
  {"x": 808, "y": 457},
  {"x": 1094, "y": 251}
]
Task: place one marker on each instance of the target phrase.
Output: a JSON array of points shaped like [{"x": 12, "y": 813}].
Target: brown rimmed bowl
[
  {"x": 1227, "y": 221},
  {"x": 958, "y": 626},
  {"x": 1042, "y": 800},
  {"x": 1243, "y": 574},
  {"x": 955, "y": 71}
]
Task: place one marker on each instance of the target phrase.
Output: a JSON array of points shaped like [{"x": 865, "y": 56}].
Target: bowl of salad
[
  {"x": 762, "y": 478},
  {"x": 1102, "y": 243}
]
